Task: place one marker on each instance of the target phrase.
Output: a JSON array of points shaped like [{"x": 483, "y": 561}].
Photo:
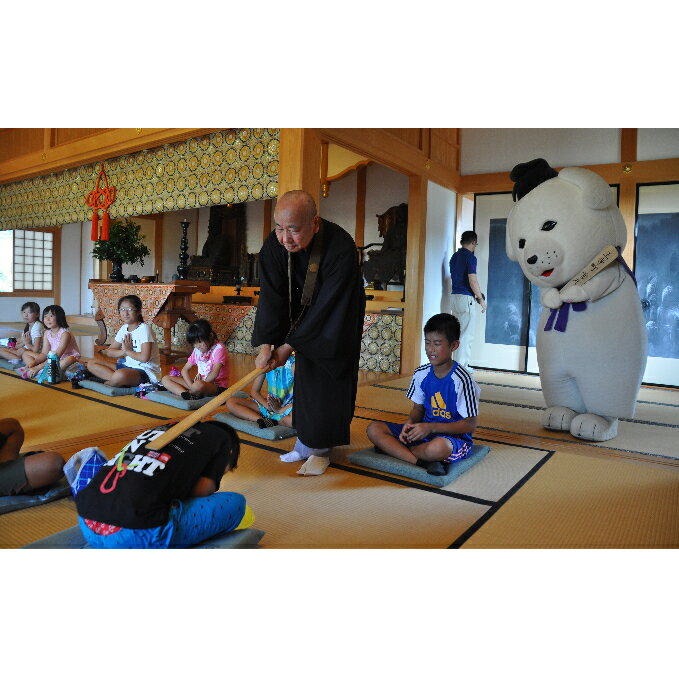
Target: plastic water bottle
[{"x": 53, "y": 369}]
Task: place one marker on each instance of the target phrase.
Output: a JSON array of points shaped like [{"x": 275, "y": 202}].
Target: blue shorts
[
  {"x": 120, "y": 363},
  {"x": 190, "y": 521},
  {"x": 461, "y": 448}
]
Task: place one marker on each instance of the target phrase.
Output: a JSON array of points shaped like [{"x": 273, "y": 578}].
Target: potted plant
[{"x": 125, "y": 245}]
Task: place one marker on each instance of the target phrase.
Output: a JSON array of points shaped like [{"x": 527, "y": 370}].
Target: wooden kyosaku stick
[
  {"x": 197, "y": 415},
  {"x": 605, "y": 258}
]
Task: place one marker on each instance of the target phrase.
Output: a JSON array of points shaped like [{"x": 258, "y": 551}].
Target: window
[{"x": 27, "y": 261}]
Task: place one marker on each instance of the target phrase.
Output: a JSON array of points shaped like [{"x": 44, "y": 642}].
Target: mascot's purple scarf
[{"x": 561, "y": 314}]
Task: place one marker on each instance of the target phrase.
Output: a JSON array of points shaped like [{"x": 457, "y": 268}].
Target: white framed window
[{"x": 27, "y": 261}]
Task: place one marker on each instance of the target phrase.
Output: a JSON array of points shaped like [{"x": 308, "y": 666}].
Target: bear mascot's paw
[
  {"x": 558, "y": 418},
  {"x": 594, "y": 427}
]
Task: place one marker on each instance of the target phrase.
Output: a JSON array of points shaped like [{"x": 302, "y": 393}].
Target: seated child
[
  {"x": 446, "y": 403},
  {"x": 276, "y": 406},
  {"x": 135, "y": 348},
  {"x": 158, "y": 499},
  {"x": 31, "y": 339},
  {"x": 57, "y": 339},
  {"x": 209, "y": 354},
  {"x": 20, "y": 474}
]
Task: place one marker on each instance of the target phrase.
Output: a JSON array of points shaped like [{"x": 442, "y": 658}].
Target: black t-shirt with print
[{"x": 141, "y": 496}]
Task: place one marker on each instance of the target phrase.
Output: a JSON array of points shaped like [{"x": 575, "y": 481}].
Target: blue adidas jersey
[{"x": 450, "y": 398}]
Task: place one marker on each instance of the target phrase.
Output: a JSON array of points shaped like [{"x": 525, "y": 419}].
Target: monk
[{"x": 325, "y": 335}]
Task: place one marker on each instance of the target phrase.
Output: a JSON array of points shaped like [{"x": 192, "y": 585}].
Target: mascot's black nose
[{"x": 533, "y": 259}]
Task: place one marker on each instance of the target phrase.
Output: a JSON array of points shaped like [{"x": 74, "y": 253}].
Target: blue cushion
[
  {"x": 270, "y": 433},
  {"x": 10, "y": 503},
  {"x": 385, "y": 463},
  {"x": 4, "y": 363},
  {"x": 72, "y": 538},
  {"x": 170, "y": 399},
  {"x": 106, "y": 389}
]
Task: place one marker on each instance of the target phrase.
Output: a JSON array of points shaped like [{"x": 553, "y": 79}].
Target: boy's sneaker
[
  {"x": 266, "y": 422},
  {"x": 436, "y": 468}
]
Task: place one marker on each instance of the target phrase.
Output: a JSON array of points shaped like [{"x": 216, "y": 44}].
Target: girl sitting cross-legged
[
  {"x": 135, "y": 348},
  {"x": 31, "y": 339},
  {"x": 57, "y": 339},
  {"x": 210, "y": 356}
]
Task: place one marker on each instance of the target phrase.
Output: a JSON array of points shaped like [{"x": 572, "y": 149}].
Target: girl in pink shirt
[
  {"x": 57, "y": 338},
  {"x": 210, "y": 356}
]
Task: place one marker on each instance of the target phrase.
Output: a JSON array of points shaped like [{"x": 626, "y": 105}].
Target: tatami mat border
[
  {"x": 532, "y": 407},
  {"x": 493, "y": 506},
  {"x": 503, "y": 500},
  {"x": 91, "y": 398},
  {"x": 573, "y": 441}
]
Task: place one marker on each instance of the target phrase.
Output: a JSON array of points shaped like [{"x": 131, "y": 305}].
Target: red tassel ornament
[
  {"x": 100, "y": 199},
  {"x": 95, "y": 226},
  {"x": 104, "y": 226}
]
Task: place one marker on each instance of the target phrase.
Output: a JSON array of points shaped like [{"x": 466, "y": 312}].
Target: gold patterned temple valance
[{"x": 230, "y": 166}]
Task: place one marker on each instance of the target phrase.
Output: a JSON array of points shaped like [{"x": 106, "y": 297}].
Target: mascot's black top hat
[{"x": 526, "y": 176}]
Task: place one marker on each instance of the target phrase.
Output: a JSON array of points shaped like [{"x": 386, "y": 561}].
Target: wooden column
[
  {"x": 628, "y": 188},
  {"x": 360, "y": 205},
  {"x": 266, "y": 222},
  {"x": 300, "y": 161},
  {"x": 411, "y": 339}
]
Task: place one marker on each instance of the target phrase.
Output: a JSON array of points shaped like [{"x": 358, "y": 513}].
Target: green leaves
[{"x": 126, "y": 243}]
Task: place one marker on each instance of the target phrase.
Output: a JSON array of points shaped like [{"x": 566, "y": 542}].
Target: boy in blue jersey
[{"x": 446, "y": 403}]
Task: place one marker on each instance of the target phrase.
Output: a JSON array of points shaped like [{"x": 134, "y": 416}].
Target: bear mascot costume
[{"x": 591, "y": 340}]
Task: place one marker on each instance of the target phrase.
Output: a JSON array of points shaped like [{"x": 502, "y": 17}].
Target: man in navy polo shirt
[{"x": 465, "y": 290}]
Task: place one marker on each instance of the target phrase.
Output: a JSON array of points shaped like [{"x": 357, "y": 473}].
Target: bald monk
[{"x": 325, "y": 335}]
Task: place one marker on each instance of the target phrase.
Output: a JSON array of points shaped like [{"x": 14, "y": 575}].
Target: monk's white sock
[
  {"x": 299, "y": 453},
  {"x": 314, "y": 466},
  {"x": 293, "y": 456}
]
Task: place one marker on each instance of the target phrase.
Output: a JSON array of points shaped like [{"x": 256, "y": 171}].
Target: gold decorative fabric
[{"x": 229, "y": 166}]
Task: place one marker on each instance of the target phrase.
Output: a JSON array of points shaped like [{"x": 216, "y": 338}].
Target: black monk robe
[{"x": 327, "y": 342}]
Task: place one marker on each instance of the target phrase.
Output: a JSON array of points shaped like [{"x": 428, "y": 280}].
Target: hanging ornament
[{"x": 100, "y": 199}]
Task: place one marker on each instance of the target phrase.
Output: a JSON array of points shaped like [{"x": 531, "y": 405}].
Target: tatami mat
[
  {"x": 586, "y": 502},
  {"x": 518, "y": 496},
  {"x": 47, "y": 413},
  {"x": 516, "y": 407},
  {"x": 346, "y": 507}
]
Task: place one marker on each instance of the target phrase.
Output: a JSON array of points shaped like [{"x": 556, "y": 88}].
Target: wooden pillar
[
  {"x": 360, "y": 205},
  {"x": 628, "y": 188},
  {"x": 411, "y": 338},
  {"x": 300, "y": 161},
  {"x": 266, "y": 225}
]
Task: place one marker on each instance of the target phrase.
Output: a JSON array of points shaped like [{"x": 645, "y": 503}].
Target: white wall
[
  {"x": 439, "y": 248},
  {"x": 384, "y": 189},
  {"x": 654, "y": 144},
  {"x": 71, "y": 267},
  {"x": 340, "y": 205},
  {"x": 499, "y": 150}
]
